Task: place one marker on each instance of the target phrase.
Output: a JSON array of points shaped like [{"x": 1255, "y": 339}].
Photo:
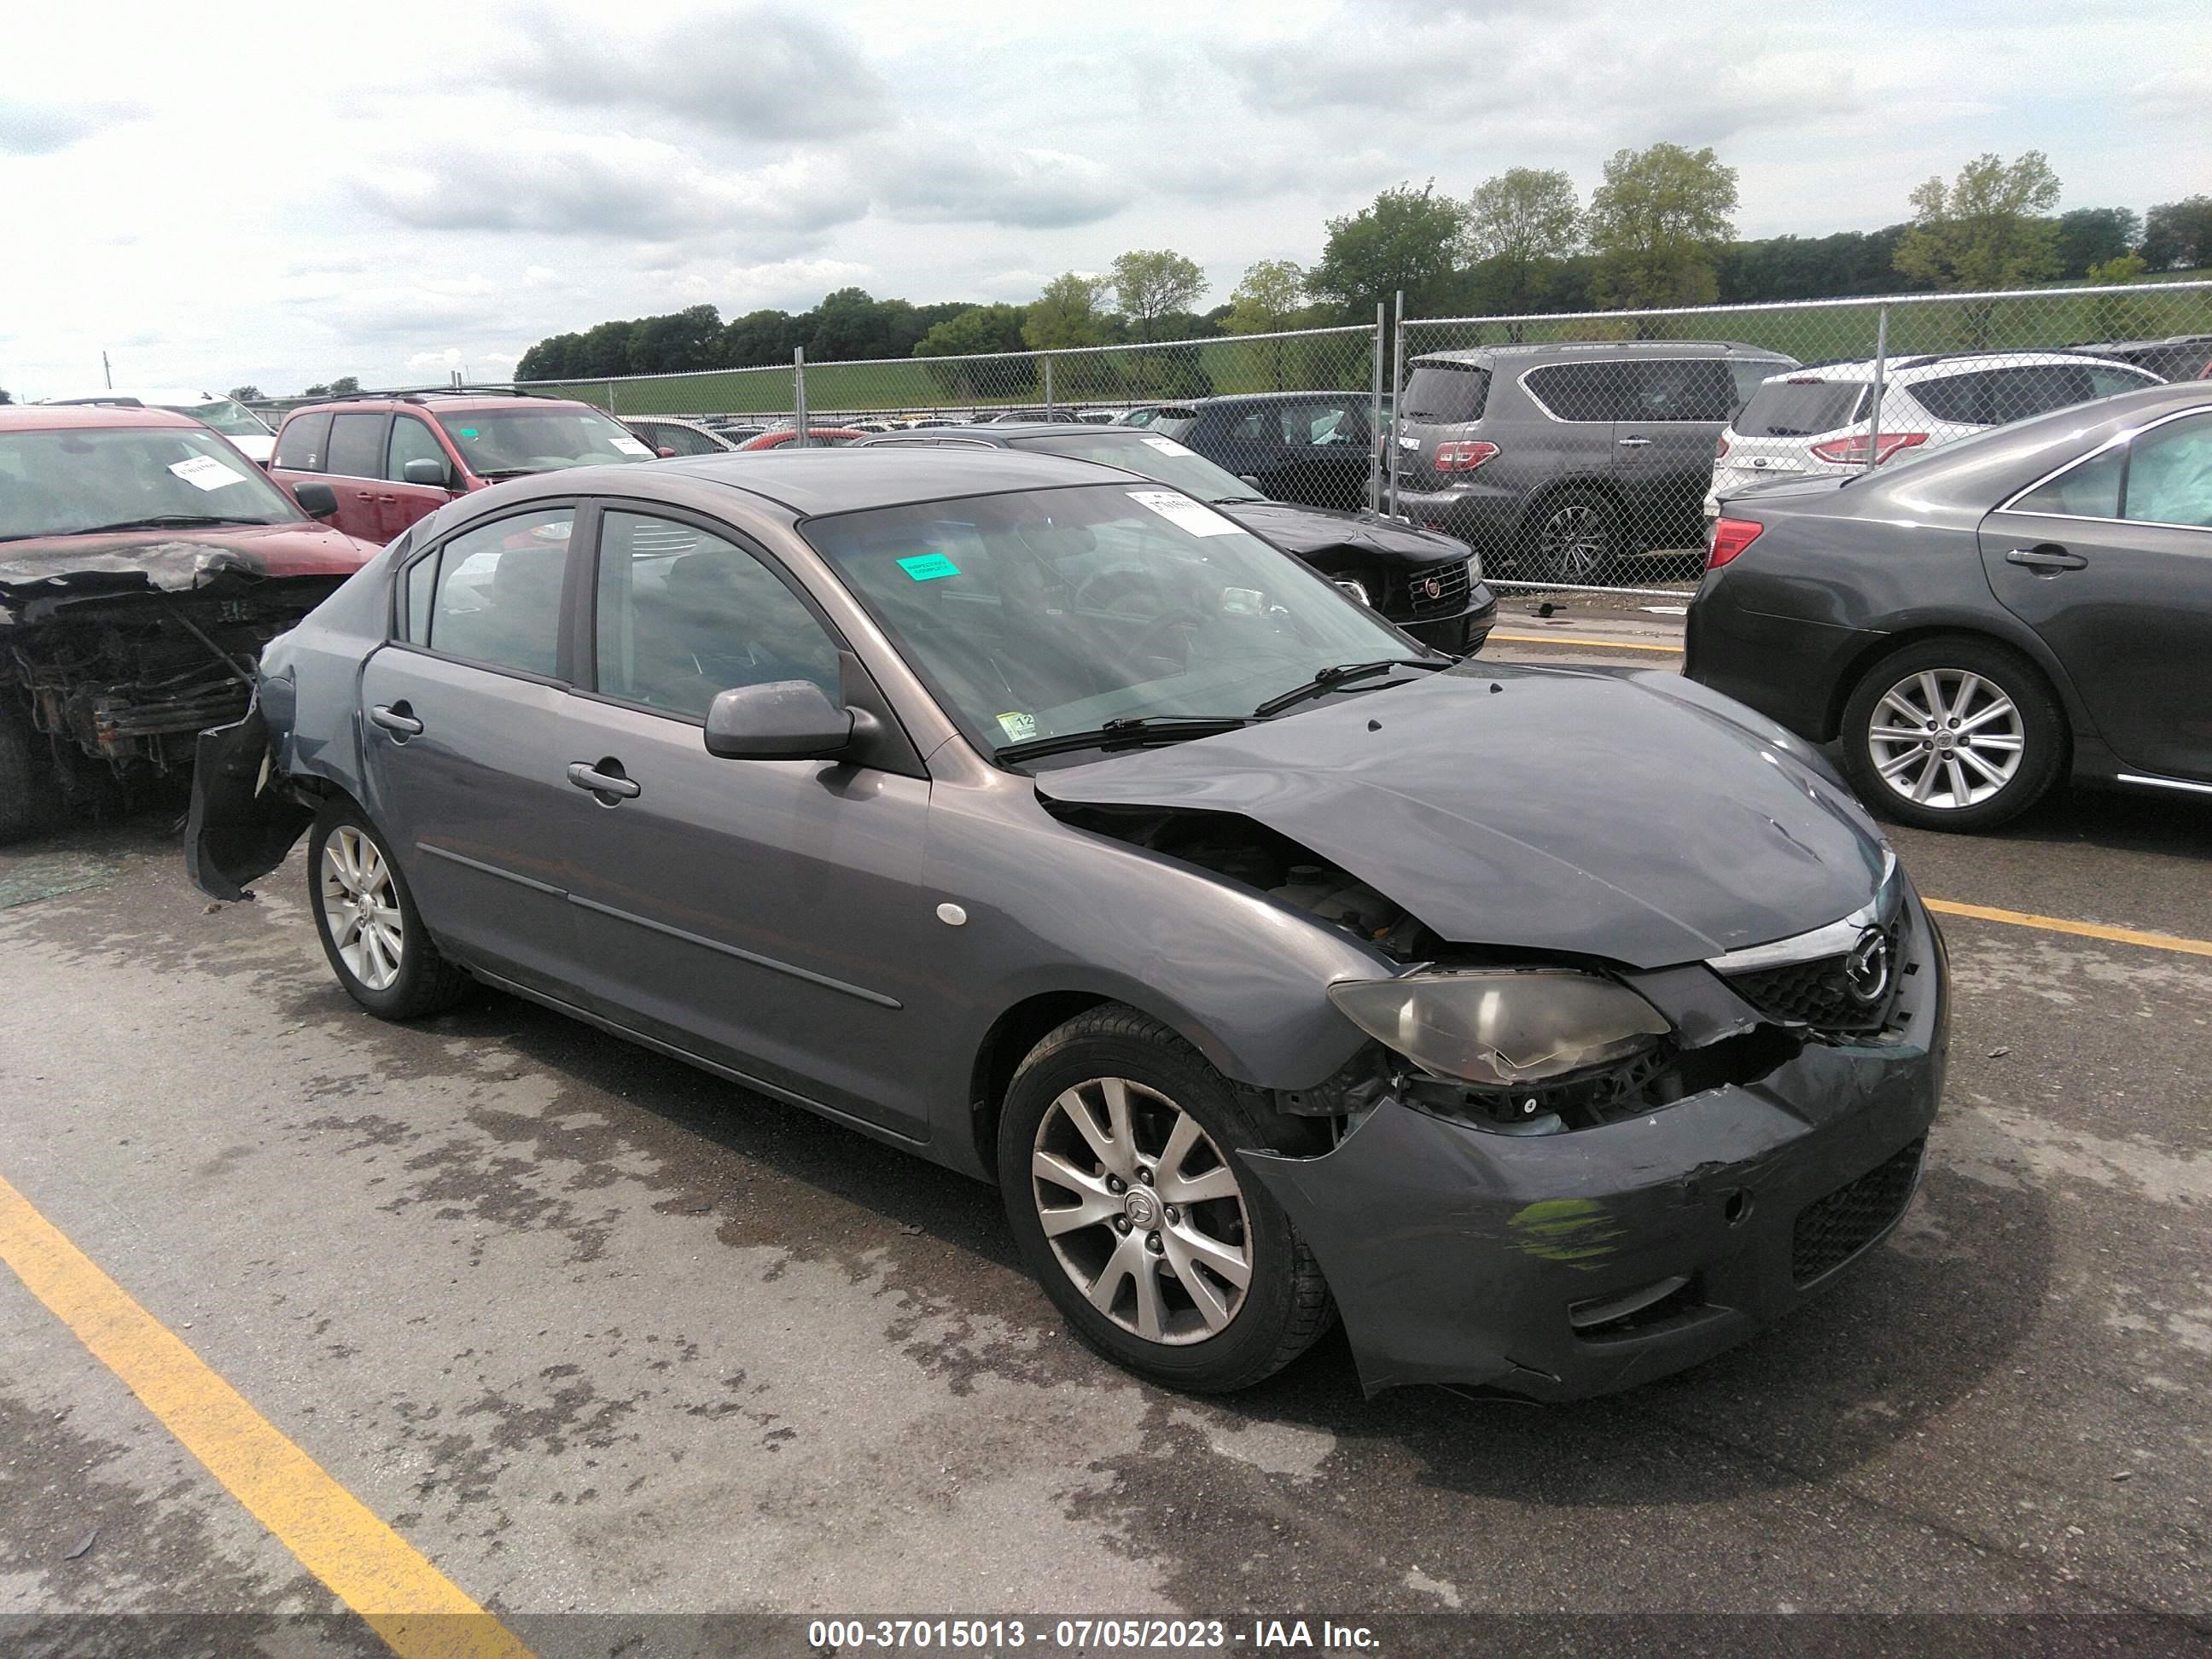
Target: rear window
[
  {"x": 1446, "y": 394},
  {"x": 1799, "y": 408},
  {"x": 1991, "y": 397},
  {"x": 303, "y": 443}
]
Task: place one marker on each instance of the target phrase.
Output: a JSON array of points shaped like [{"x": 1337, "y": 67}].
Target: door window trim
[
  {"x": 583, "y": 523},
  {"x": 2127, "y": 436}
]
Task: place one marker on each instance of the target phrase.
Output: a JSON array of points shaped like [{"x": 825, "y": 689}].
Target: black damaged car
[{"x": 1427, "y": 583}]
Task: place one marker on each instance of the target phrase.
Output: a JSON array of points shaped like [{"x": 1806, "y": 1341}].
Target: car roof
[
  {"x": 54, "y": 417},
  {"x": 160, "y": 394},
  {"x": 376, "y": 402},
  {"x": 1935, "y": 365},
  {"x": 1523, "y": 353},
  {"x": 1003, "y": 432},
  {"x": 810, "y": 482}
]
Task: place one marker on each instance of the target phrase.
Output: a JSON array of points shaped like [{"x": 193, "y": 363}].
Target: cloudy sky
[{"x": 275, "y": 195}]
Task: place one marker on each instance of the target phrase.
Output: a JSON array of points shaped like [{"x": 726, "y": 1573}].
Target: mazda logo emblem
[{"x": 1866, "y": 970}]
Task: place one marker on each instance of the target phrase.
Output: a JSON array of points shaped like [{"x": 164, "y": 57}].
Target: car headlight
[{"x": 1502, "y": 1027}]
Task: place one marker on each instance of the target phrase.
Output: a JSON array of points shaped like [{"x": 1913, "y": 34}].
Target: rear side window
[
  {"x": 1683, "y": 389},
  {"x": 1446, "y": 394},
  {"x": 1586, "y": 392},
  {"x": 2091, "y": 490},
  {"x": 1748, "y": 372},
  {"x": 357, "y": 446},
  {"x": 497, "y": 598},
  {"x": 303, "y": 443},
  {"x": 1801, "y": 407},
  {"x": 1992, "y": 396}
]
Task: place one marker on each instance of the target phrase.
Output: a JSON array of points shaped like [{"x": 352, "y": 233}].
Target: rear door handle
[
  {"x": 2048, "y": 560},
  {"x": 396, "y": 720},
  {"x": 585, "y": 775},
  {"x": 1634, "y": 443}
]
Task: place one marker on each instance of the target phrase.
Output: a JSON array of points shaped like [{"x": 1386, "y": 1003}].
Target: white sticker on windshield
[
  {"x": 1019, "y": 727},
  {"x": 1166, "y": 446},
  {"x": 629, "y": 446},
  {"x": 206, "y": 471},
  {"x": 1183, "y": 513}
]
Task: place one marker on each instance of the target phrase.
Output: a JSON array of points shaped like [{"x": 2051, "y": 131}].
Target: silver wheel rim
[
  {"x": 1573, "y": 542},
  {"x": 361, "y": 908},
  {"x": 1946, "y": 738},
  {"x": 1142, "y": 1212}
]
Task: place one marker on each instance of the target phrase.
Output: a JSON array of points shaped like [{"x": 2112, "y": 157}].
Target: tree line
[{"x": 1658, "y": 230}]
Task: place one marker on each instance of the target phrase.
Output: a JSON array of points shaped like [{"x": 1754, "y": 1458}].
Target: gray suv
[{"x": 1561, "y": 461}]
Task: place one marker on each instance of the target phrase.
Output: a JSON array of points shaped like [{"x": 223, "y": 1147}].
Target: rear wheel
[
  {"x": 1953, "y": 734},
  {"x": 1118, "y": 1161},
  {"x": 371, "y": 931},
  {"x": 1575, "y": 537}
]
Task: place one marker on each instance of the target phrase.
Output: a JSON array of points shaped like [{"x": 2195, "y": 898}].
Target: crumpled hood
[
  {"x": 1311, "y": 530},
  {"x": 176, "y": 561},
  {"x": 1625, "y": 817}
]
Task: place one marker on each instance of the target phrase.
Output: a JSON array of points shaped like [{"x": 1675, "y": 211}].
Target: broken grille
[
  {"x": 1818, "y": 995},
  {"x": 1831, "y": 1230}
]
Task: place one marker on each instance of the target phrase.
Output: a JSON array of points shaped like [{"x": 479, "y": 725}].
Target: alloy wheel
[
  {"x": 361, "y": 908},
  {"x": 1946, "y": 738},
  {"x": 1142, "y": 1212},
  {"x": 1574, "y": 541}
]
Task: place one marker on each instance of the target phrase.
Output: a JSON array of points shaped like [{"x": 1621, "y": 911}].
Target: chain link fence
[
  {"x": 1592, "y": 449},
  {"x": 1586, "y": 450}
]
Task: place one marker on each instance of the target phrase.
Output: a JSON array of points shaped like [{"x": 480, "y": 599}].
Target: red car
[
  {"x": 817, "y": 437},
  {"x": 144, "y": 561},
  {"x": 391, "y": 459}
]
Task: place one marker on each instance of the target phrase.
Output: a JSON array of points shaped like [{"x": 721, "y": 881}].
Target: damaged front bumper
[{"x": 1558, "y": 1266}]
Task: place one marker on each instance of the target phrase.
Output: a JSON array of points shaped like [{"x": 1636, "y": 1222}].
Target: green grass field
[{"x": 2039, "y": 319}]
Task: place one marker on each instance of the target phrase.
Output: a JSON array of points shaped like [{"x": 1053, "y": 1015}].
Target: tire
[
  {"x": 30, "y": 793},
  {"x": 1196, "y": 1329},
  {"x": 384, "y": 956},
  {"x": 1573, "y": 536},
  {"x": 2007, "y": 735}
]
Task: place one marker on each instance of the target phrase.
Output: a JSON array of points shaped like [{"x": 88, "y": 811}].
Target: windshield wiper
[
  {"x": 1241, "y": 500},
  {"x": 1329, "y": 679},
  {"x": 161, "y": 521},
  {"x": 1121, "y": 734},
  {"x": 509, "y": 472}
]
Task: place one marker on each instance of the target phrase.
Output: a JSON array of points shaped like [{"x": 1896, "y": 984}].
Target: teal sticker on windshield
[
  {"x": 467, "y": 431},
  {"x": 928, "y": 567}
]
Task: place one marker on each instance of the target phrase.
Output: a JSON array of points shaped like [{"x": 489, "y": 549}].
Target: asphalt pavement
[{"x": 594, "y": 1332}]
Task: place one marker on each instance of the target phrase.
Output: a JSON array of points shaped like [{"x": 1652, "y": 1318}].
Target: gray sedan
[{"x": 1557, "y": 1027}]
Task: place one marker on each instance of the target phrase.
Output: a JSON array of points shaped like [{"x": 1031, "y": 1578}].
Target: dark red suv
[{"x": 396, "y": 457}]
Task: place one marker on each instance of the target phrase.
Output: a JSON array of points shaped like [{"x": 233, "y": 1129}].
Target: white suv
[{"x": 1812, "y": 421}]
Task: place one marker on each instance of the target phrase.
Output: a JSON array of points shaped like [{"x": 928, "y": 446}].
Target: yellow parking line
[
  {"x": 1576, "y": 639},
  {"x": 418, "y": 1611},
  {"x": 2189, "y": 947}
]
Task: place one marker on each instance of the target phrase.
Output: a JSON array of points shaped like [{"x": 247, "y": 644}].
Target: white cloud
[
  {"x": 30, "y": 126},
  {"x": 959, "y": 179}
]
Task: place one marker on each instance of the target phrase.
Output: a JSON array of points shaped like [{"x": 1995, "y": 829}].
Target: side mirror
[
  {"x": 783, "y": 720},
  {"x": 422, "y": 469},
  {"x": 316, "y": 501},
  {"x": 1246, "y": 478},
  {"x": 664, "y": 452}
]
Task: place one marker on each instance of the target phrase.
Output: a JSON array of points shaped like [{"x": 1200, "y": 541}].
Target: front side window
[
  {"x": 1054, "y": 610},
  {"x": 304, "y": 442},
  {"x": 413, "y": 441},
  {"x": 512, "y": 443},
  {"x": 357, "y": 446},
  {"x": 225, "y": 415},
  {"x": 2170, "y": 475},
  {"x": 75, "y": 479},
  {"x": 682, "y": 615},
  {"x": 496, "y": 598}
]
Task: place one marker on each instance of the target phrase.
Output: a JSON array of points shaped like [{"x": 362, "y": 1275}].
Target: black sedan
[
  {"x": 1426, "y": 582},
  {"x": 2020, "y": 606}
]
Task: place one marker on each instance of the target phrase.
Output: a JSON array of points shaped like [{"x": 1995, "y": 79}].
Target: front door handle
[
  {"x": 397, "y": 718},
  {"x": 585, "y": 775},
  {"x": 2046, "y": 560},
  {"x": 1634, "y": 443}
]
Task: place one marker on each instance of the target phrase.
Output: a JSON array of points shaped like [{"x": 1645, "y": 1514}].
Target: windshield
[
  {"x": 64, "y": 482},
  {"x": 500, "y": 443},
  {"x": 1055, "y": 611},
  {"x": 1154, "y": 457},
  {"x": 227, "y": 416}
]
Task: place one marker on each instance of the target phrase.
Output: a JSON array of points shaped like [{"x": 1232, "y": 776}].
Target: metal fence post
[
  {"x": 799, "y": 397},
  {"x": 610, "y": 397},
  {"x": 1375, "y": 485},
  {"x": 1397, "y": 384},
  {"x": 1047, "y": 385},
  {"x": 1881, "y": 369}
]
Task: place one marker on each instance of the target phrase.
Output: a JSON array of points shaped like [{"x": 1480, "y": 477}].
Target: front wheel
[
  {"x": 371, "y": 931},
  {"x": 1953, "y": 734},
  {"x": 1118, "y": 1161}
]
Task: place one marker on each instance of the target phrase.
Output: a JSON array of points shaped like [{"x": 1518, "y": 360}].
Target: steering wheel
[{"x": 1179, "y": 617}]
